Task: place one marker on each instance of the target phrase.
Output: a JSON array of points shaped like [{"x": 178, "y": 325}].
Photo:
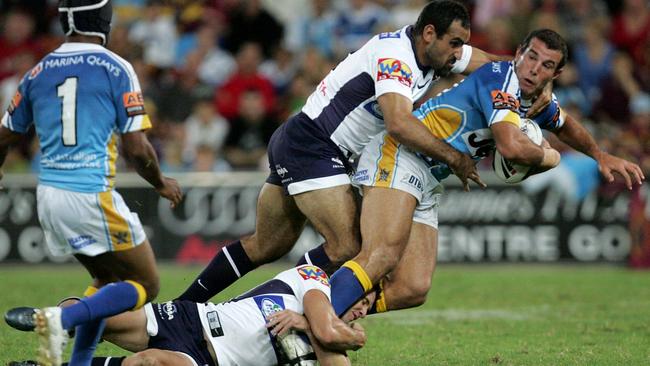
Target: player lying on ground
[
  {"x": 482, "y": 112},
  {"x": 257, "y": 328}
]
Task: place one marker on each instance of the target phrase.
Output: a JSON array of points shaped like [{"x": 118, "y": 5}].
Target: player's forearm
[
  {"x": 341, "y": 337},
  {"x": 576, "y": 135},
  {"x": 480, "y": 58},
  {"x": 145, "y": 163},
  {"x": 416, "y": 136},
  {"x": 325, "y": 356}
]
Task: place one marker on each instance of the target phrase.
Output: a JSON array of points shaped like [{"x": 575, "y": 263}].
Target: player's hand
[
  {"x": 283, "y": 321},
  {"x": 170, "y": 190},
  {"x": 542, "y": 101},
  {"x": 465, "y": 169},
  {"x": 361, "y": 334},
  {"x": 609, "y": 164}
]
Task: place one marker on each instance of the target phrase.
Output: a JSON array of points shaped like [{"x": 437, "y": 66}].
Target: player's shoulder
[
  {"x": 494, "y": 74},
  {"x": 305, "y": 275},
  {"x": 396, "y": 43}
]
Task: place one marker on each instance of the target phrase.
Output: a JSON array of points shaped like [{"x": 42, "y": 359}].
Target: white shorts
[
  {"x": 86, "y": 223},
  {"x": 384, "y": 163}
]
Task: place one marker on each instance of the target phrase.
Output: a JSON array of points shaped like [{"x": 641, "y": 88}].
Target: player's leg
[
  {"x": 278, "y": 225},
  {"x": 334, "y": 213},
  {"x": 158, "y": 357},
  {"x": 409, "y": 283},
  {"x": 386, "y": 216}
]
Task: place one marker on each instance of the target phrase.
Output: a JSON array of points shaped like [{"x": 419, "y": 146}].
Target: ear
[{"x": 429, "y": 33}]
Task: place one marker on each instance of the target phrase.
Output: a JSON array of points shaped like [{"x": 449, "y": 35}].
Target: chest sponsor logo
[
  {"x": 503, "y": 100},
  {"x": 314, "y": 273},
  {"x": 390, "y": 68}
]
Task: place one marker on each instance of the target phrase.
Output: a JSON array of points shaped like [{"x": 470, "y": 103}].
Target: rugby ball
[{"x": 514, "y": 173}]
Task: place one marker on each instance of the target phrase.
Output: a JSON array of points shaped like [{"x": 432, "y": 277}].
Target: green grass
[{"x": 475, "y": 315}]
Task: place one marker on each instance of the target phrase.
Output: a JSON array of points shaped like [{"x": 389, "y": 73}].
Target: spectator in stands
[
  {"x": 405, "y": 12},
  {"x": 280, "y": 70},
  {"x": 593, "y": 57},
  {"x": 316, "y": 30},
  {"x": 250, "y": 22},
  {"x": 156, "y": 32},
  {"x": 247, "y": 76},
  {"x": 576, "y": 14},
  {"x": 216, "y": 65},
  {"x": 568, "y": 92},
  {"x": 20, "y": 64},
  {"x": 204, "y": 127},
  {"x": 357, "y": 23},
  {"x": 250, "y": 133},
  {"x": 631, "y": 28},
  {"x": 17, "y": 37},
  {"x": 209, "y": 159}
]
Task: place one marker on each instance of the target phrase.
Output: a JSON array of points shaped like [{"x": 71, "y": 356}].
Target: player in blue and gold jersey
[
  {"x": 82, "y": 99},
  {"x": 475, "y": 116}
]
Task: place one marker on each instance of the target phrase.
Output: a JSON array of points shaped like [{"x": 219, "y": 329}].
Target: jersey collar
[
  {"x": 79, "y": 46},
  {"x": 409, "y": 33}
]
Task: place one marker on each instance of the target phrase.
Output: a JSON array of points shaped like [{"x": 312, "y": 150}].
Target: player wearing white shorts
[
  {"x": 401, "y": 195},
  {"x": 82, "y": 99},
  {"x": 287, "y": 320}
]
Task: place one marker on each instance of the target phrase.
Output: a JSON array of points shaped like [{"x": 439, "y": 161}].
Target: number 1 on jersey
[{"x": 68, "y": 93}]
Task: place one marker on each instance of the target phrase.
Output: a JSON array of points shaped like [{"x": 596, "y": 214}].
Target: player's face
[
  {"x": 443, "y": 52},
  {"x": 360, "y": 309},
  {"x": 536, "y": 66}
]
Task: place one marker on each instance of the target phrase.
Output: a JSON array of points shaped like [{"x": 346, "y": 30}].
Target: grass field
[{"x": 475, "y": 315}]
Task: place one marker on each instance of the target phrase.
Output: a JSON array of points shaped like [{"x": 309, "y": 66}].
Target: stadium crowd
[{"x": 220, "y": 75}]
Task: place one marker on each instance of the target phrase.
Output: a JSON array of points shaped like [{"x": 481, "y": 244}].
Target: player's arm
[
  {"x": 478, "y": 58},
  {"x": 408, "y": 130},
  {"x": 574, "y": 134},
  {"x": 327, "y": 357},
  {"x": 140, "y": 154},
  {"x": 516, "y": 147},
  {"x": 327, "y": 328},
  {"x": 7, "y": 138}
]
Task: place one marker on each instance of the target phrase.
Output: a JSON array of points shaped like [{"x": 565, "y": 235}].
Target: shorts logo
[
  {"x": 122, "y": 237},
  {"x": 168, "y": 309},
  {"x": 361, "y": 176},
  {"x": 15, "y": 102},
  {"x": 412, "y": 180},
  {"x": 337, "y": 163},
  {"x": 314, "y": 273},
  {"x": 280, "y": 170},
  {"x": 503, "y": 100},
  {"x": 35, "y": 71},
  {"x": 383, "y": 175},
  {"x": 81, "y": 241},
  {"x": 390, "y": 68},
  {"x": 133, "y": 103}
]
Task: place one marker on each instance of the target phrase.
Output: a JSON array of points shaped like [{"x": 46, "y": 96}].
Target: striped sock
[{"x": 349, "y": 284}]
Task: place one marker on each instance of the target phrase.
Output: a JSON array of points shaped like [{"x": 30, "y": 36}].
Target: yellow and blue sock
[
  {"x": 349, "y": 284},
  {"x": 380, "y": 305}
]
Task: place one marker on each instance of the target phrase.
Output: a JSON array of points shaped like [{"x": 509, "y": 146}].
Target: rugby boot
[
  {"x": 51, "y": 336},
  {"x": 21, "y": 318}
]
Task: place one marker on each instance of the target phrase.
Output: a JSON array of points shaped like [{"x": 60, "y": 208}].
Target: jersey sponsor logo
[
  {"x": 314, "y": 273},
  {"x": 81, "y": 241},
  {"x": 269, "y": 304},
  {"x": 480, "y": 143},
  {"x": 396, "y": 34},
  {"x": 503, "y": 100},
  {"x": 390, "y": 68},
  {"x": 35, "y": 70},
  {"x": 15, "y": 102},
  {"x": 133, "y": 103}
]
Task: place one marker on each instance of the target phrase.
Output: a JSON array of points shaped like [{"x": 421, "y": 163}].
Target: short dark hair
[
  {"x": 553, "y": 41},
  {"x": 441, "y": 14}
]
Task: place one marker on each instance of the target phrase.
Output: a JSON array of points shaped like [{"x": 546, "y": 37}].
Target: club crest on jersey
[
  {"x": 314, "y": 273},
  {"x": 503, "y": 100},
  {"x": 133, "y": 103},
  {"x": 15, "y": 102},
  {"x": 390, "y": 68},
  {"x": 269, "y": 304},
  {"x": 35, "y": 71}
]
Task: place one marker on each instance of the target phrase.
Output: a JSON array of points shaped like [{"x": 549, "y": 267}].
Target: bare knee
[{"x": 408, "y": 295}]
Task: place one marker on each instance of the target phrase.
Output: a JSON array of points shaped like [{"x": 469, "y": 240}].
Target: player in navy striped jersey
[{"x": 82, "y": 99}]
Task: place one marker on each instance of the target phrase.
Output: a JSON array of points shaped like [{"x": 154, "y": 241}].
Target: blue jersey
[
  {"x": 80, "y": 98},
  {"x": 462, "y": 115}
]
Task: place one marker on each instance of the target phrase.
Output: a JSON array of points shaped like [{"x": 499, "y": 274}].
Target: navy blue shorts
[
  {"x": 179, "y": 330},
  {"x": 303, "y": 158}
]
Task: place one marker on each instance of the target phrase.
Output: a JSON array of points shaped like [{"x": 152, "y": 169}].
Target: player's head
[
  {"x": 444, "y": 26},
  {"x": 86, "y": 18},
  {"x": 360, "y": 308},
  {"x": 539, "y": 59}
]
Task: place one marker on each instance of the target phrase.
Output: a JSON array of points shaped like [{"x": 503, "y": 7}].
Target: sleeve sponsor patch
[
  {"x": 314, "y": 273},
  {"x": 390, "y": 68},
  {"x": 503, "y": 100},
  {"x": 15, "y": 102},
  {"x": 133, "y": 103}
]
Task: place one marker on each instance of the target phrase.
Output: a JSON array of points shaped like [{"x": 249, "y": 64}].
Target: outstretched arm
[{"x": 574, "y": 134}]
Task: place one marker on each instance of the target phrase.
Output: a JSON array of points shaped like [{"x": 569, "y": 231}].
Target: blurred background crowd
[{"x": 220, "y": 75}]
